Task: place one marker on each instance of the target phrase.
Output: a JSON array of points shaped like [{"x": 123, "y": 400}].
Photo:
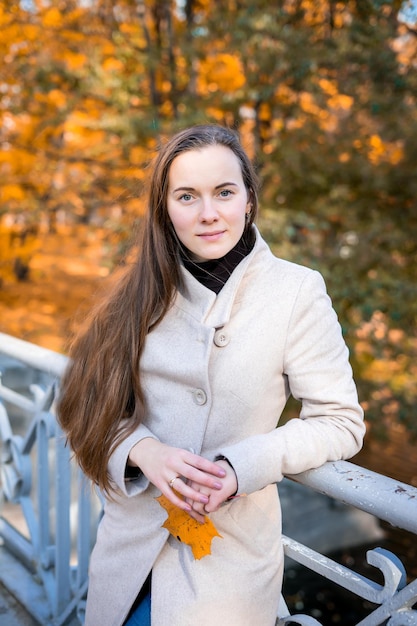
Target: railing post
[{"x": 63, "y": 530}]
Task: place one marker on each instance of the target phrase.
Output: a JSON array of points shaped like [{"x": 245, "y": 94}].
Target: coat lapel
[{"x": 203, "y": 304}]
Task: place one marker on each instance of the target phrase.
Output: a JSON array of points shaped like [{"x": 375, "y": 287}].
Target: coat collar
[{"x": 203, "y": 304}]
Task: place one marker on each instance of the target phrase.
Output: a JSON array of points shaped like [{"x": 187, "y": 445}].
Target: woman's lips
[{"x": 211, "y": 236}]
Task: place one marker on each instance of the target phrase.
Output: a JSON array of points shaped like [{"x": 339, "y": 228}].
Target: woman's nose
[{"x": 208, "y": 211}]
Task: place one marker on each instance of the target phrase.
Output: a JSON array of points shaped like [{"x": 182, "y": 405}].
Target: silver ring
[{"x": 172, "y": 481}]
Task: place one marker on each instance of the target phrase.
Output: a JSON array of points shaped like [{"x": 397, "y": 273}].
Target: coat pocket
[{"x": 256, "y": 519}]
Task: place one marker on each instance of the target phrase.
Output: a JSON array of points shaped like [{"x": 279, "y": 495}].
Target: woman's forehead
[{"x": 209, "y": 162}]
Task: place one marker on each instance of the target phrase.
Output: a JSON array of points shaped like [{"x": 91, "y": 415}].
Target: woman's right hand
[{"x": 161, "y": 463}]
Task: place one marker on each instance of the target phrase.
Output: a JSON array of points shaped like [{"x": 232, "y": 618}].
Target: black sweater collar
[{"x": 213, "y": 274}]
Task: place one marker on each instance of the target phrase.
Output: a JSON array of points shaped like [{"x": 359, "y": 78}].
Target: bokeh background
[{"x": 323, "y": 93}]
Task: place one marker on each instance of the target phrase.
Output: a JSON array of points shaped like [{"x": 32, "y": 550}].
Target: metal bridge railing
[{"x": 50, "y": 513}]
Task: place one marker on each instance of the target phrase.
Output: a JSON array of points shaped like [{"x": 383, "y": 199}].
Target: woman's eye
[
  {"x": 186, "y": 197},
  {"x": 225, "y": 193}
]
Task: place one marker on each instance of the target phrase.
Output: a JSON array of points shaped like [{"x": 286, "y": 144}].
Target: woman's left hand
[{"x": 216, "y": 497}]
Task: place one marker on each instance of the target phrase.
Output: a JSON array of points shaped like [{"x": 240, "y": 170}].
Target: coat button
[
  {"x": 199, "y": 396},
  {"x": 221, "y": 338}
]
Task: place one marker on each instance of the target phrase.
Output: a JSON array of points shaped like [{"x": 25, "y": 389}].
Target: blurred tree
[
  {"x": 327, "y": 100},
  {"x": 323, "y": 93}
]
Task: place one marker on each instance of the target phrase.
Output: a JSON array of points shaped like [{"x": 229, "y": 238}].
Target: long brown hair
[{"x": 101, "y": 400}]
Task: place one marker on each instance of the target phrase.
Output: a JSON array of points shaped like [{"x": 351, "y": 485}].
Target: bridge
[{"x": 50, "y": 512}]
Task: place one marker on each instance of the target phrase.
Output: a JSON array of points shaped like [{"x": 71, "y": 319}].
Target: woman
[{"x": 177, "y": 386}]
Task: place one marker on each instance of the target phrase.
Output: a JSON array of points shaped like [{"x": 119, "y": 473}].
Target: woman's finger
[
  {"x": 199, "y": 463},
  {"x": 190, "y": 491}
]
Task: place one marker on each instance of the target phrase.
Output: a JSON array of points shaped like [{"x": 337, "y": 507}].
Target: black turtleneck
[{"x": 213, "y": 274}]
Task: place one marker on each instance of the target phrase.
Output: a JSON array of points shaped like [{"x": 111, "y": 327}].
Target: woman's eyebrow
[
  {"x": 183, "y": 189},
  {"x": 226, "y": 184}
]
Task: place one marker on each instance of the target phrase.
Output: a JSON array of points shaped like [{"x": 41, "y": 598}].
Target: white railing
[
  {"x": 387, "y": 499},
  {"x": 50, "y": 514}
]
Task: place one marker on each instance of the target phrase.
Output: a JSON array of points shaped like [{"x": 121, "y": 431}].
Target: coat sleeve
[
  {"x": 330, "y": 426},
  {"x": 118, "y": 461}
]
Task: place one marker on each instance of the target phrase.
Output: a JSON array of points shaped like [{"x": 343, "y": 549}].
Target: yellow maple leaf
[{"x": 185, "y": 528}]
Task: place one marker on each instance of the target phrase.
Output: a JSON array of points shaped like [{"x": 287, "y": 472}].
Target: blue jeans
[{"x": 141, "y": 616}]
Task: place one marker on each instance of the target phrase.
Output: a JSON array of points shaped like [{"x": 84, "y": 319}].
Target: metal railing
[{"x": 50, "y": 513}]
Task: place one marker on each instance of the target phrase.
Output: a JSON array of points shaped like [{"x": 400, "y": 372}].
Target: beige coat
[{"x": 217, "y": 373}]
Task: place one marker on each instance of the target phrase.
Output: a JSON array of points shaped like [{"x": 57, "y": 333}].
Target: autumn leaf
[{"x": 188, "y": 530}]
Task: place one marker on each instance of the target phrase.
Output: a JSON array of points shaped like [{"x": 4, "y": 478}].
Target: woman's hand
[
  {"x": 216, "y": 497},
  {"x": 161, "y": 464}
]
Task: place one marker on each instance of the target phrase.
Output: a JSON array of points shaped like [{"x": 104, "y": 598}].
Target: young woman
[{"x": 177, "y": 387}]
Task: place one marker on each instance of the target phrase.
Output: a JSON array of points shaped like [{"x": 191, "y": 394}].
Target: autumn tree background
[{"x": 323, "y": 93}]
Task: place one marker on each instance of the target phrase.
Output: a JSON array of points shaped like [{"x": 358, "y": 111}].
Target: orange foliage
[
  {"x": 188, "y": 530},
  {"x": 221, "y": 72},
  {"x": 322, "y": 96}
]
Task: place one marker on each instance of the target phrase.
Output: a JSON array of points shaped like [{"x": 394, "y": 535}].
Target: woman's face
[{"x": 207, "y": 201}]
